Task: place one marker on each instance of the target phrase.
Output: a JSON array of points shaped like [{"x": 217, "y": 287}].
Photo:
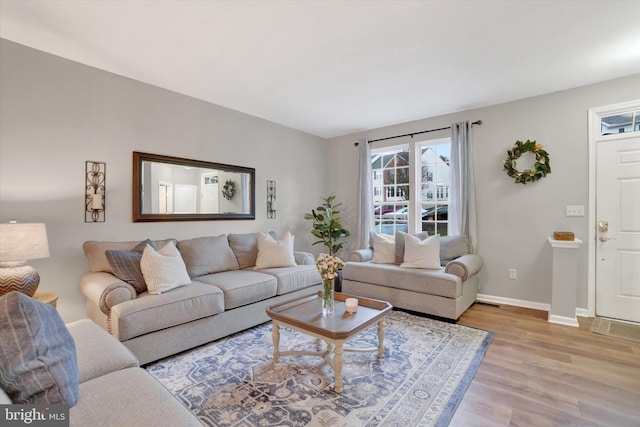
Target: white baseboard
[
  {"x": 563, "y": 320},
  {"x": 491, "y": 299},
  {"x": 582, "y": 312}
]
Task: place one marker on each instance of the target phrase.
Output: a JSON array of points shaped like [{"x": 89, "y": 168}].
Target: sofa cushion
[
  {"x": 452, "y": 247},
  {"x": 149, "y": 313},
  {"x": 98, "y": 353},
  {"x": 242, "y": 287},
  {"x": 205, "y": 255},
  {"x": 130, "y": 397},
  {"x": 275, "y": 253},
  {"x": 434, "y": 282},
  {"x": 422, "y": 253},
  {"x": 38, "y": 358},
  {"x": 164, "y": 269},
  {"x": 126, "y": 265},
  {"x": 245, "y": 248},
  {"x": 384, "y": 248},
  {"x": 290, "y": 279},
  {"x": 96, "y": 251},
  {"x": 400, "y": 236}
]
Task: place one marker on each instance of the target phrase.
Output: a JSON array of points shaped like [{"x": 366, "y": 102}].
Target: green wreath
[
  {"x": 540, "y": 169},
  {"x": 229, "y": 190}
]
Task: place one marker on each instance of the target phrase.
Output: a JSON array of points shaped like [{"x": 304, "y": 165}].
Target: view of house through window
[{"x": 411, "y": 205}]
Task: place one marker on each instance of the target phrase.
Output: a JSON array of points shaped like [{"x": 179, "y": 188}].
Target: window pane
[
  {"x": 616, "y": 124},
  {"x": 636, "y": 127},
  {"x": 434, "y": 195}
]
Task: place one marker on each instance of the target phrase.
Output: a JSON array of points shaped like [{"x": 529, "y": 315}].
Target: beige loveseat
[
  {"x": 79, "y": 365},
  {"x": 445, "y": 292},
  {"x": 226, "y": 294}
]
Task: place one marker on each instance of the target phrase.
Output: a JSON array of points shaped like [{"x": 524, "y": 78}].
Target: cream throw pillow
[
  {"x": 163, "y": 270},
  {"x": 422, "y": 253},
  {"x": 272, "y": 253},
  {"x": 384, "y": 248}
]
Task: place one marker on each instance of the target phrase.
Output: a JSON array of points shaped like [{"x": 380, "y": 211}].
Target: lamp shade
[{"x": 21, "y": 242}]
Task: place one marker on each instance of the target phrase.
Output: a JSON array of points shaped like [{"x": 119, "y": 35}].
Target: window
[
  {"x": 620, "y": 123},
  {"x": 400, "y": 205}
]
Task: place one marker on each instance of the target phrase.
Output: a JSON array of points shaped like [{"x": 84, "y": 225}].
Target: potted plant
[
  {"x": 327, "y": 225},
  {"x": 328, "y": 229}
]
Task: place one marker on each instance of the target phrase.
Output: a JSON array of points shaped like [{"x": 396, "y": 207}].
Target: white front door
[{"x": 617, "y": 224}]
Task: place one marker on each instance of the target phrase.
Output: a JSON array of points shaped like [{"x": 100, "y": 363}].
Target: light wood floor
[{"x": 537, "y": 373}]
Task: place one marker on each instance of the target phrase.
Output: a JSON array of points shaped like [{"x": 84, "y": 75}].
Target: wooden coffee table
[{"x": 304, "y": 314}]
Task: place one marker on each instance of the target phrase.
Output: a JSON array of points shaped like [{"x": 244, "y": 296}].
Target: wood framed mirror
[{"x": 167, "y": 188}]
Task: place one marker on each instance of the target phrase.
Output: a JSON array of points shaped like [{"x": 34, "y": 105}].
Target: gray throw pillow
[
  {"x": 205, "y": 255},
  {"x": 38, "y": 362},
  {"x": 126, "y": 265}
]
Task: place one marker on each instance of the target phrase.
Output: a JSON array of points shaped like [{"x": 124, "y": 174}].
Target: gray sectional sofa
[
  {"x": 79, "y": 365},
  {"x": 226, "y": 294},
  {"x": 446, "y": 292}
]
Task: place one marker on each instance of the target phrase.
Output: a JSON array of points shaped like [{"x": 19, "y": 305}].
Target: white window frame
[{"x": 414, "y": 217}]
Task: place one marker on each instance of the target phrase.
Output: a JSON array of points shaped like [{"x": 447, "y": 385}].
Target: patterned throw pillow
[
  {"x": 38, "y": 362},
  {"x": 163, "y": 270},
  {"x": 126, "y": 265},
  {"x": 273, "y": 254}
]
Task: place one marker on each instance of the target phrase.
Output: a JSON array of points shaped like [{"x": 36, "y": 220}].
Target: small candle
[
  {"x": 352, "y": 305},
  {"x": 96, "y": 202}
]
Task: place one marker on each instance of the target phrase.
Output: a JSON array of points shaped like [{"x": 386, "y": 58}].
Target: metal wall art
[
  {"x": 271, "y": 199},
  {"x": 95, "y": 186}
]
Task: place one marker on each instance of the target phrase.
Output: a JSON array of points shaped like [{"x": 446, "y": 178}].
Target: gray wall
[
  {"x": 55, "y": 114},
  {"x": 514, "y": 221}
]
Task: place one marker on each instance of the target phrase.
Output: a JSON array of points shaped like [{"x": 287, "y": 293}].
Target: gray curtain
[
  {"x": 365, "y": 201},
  {"x": 462, "y": 197}
]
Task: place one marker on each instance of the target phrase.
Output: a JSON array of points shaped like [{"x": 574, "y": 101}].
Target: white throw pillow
[
  {"x": 272, "y": 253},
  {"x": 163, "y": 270},
  {"x": 422, "y": 253},
  {"x": 384, "y": 248}
]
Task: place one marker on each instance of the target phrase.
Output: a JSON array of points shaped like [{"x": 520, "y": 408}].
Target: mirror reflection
[{"x": 170, "y": 188}]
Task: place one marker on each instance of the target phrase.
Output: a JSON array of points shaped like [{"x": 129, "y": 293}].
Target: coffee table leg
[
  {"x": 275, "y": 336},
  {"x": 337, "y": 366},
  {"x": 381, "y": 339}
]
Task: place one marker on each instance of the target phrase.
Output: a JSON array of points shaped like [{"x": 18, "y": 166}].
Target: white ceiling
[{"x": 331, "y": 68}]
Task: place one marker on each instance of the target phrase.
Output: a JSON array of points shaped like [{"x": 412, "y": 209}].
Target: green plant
[{"x": 327, "y": 225}]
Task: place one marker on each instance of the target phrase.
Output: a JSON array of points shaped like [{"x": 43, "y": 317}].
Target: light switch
[{"x": 574, "y": 210}]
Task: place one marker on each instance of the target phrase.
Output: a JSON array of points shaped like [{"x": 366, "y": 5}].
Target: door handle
[{"x": 604, "y": 239}]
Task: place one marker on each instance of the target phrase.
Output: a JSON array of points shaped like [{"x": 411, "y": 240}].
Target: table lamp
[{"x": 18, "y": 244}]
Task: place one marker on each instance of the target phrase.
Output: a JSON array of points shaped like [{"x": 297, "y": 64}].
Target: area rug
[
  {"x": 626, "y": 331},
  {"x": 426, "y": 369}
]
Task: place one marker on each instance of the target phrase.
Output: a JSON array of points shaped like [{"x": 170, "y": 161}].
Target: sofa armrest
[
  {"x": 464, "y": 266},
  {"x": 106, "y": 290},
  {"x": 304, "y": 258},
  {"x": 98, "y": 353},
  {"x": 361, "y": 255}
]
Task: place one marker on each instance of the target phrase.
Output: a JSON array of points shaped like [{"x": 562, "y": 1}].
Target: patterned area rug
[{"x": 426, "y": 369}]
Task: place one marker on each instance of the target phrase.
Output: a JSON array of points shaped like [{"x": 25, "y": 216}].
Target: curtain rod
[{"x": 477, "y": 122}]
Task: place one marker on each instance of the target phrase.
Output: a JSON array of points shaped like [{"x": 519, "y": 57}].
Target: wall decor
[
  {"x": 540, "y": 168},
  {"x": 95, "y": 191},
  {"x": 271, "y": 199},
  {"x": 167, "y": 188},
  {"x": 229, "y": 190}
]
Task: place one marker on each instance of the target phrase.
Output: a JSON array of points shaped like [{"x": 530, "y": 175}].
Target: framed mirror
[{"x": 169, "y": 188}]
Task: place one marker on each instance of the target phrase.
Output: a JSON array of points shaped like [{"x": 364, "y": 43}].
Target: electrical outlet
[
  {"x": 574, "y": 210},
  {"x": 513, "y": 273}
]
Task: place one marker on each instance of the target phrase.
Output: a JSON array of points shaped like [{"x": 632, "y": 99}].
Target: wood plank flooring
[{"x": 537, "y": 373}]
